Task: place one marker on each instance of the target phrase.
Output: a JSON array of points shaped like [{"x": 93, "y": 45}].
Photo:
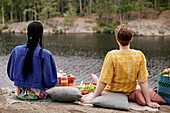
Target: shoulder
[
  {"x": 113, "y": 51},
  {"x": 19, "y": 48},
  {"x": 138, "y": 52},
  {"x": 46, "y": 53}
]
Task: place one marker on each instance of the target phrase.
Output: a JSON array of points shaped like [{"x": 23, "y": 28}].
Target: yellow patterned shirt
[{"x": 122, "y": 69}]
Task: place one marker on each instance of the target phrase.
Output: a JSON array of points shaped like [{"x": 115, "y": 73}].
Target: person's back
[
  {"x": 121, "y": 69},
  {"x": 126, "y": 70},
  {"x": 31, "y": 68}
]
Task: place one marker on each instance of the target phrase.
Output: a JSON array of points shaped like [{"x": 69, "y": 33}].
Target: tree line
[{"x": 106, "y": 10}]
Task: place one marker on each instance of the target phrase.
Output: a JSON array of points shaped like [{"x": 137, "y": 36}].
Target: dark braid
[{"x": 35, "y": 31}]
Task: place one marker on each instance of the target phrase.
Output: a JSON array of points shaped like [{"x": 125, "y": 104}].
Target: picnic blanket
[
  {"x": 11, "y": 98},
  {"x": 132, "y": 105}
]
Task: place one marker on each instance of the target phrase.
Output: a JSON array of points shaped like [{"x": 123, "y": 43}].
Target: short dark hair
[{"x": 124, "y": 34}]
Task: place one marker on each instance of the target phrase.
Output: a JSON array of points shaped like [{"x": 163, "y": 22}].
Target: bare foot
[{"x": 94, "y": 77}]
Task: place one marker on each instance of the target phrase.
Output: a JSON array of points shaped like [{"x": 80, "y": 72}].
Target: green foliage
[
  {"x": 43, "y": 10},
  {"x": 48, "y": 8},
  {"x": 109, "y": 28},
  {"x": 4, "y": 27},
  {"x": 70, "y": 13},
  {"x": 101, "y": 21},
  {"x": 161, "y": 31},
  {"x": 98, "y": 29},
  {"x": 128, "y": 5},
  {"x": 25, "y": 28},
  {"x": 105, "y": 10},
  {"x": 125, "y": 22},
  {"x": 57, "y": 31},
  {"x": 164, "y": 6}
]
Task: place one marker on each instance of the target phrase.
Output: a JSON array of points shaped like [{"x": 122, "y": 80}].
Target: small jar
[{"x": 64, "y": 80}]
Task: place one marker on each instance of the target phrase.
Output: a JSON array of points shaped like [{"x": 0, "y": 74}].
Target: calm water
[{"x": 82, "y": 54}]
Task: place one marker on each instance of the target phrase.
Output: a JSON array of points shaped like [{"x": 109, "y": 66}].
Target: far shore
[
  {"x": 142, "y": 27},
  {"x": 92, "y": 32}
]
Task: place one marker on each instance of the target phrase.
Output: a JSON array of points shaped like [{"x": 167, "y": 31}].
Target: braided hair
[{"x": 35, "y": 32}]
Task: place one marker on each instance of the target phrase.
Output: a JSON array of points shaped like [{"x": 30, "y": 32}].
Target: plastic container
[
  {"x": 64, "y": 80},
  {"x": 71, "y": 79},
  {"x": 59, "y": 75}
]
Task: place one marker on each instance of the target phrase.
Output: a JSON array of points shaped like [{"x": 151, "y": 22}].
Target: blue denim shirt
[{"x": 35, "y": 79}]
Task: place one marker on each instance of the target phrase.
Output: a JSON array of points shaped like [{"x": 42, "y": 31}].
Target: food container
[
  {"x": 59, "y": 80},
  {"x": 71, "y": 78},
  {"x": 64, "y": 80},
  {"x": 72, "y": 85}
]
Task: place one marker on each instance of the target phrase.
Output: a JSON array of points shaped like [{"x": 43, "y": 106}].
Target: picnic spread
[
  {"x": 67, "y": 92},
  {"x": 69, "y": 81}
]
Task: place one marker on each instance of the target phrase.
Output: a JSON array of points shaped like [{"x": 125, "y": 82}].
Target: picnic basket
[{"x": 164, "y": 84}]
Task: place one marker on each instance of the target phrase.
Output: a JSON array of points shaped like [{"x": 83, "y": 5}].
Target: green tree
[
  {"x": 43, "y": 10},
  {"x": 70, "y": 13},
  {"x": 105, "y": 12},
  {"x": 24, "y": 10},
  {"x": 120, "y": 11},
  {"x": 128, "y": 6},
  {"x": 140, "y": 4},
  {"x": 10, "y": 4},
  {"x": 2, "y": 10},
  {"x": 155, "y": 8}
]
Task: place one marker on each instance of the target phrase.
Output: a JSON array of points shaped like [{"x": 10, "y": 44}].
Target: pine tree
[
  {"x": 70, "y": 13},
  {"x": 2, "y": 9}
]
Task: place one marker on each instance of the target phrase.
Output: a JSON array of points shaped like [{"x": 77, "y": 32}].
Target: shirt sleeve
[
  {"x": 10, "y": 66},
  {"x": 107, "y": 69},
  {"x": 50, "y": 72},
  {"x": 143, "y": 72}
]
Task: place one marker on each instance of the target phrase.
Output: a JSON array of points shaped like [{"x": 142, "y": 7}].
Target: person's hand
[
  {"x": 85, "y": 101},
  {"x": 153, "y": 104}
]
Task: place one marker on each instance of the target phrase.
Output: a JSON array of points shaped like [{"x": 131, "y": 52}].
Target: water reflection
[{"x": 89, "y": 45}]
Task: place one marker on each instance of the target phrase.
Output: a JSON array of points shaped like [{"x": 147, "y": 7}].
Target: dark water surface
[{"x": 82, "y": 54}]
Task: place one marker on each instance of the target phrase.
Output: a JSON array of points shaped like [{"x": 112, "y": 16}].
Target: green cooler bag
[{"x": 164, "y": 84}]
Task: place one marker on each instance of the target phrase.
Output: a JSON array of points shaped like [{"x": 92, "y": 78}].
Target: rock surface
[
  {"x": 147, "y": 27},
  {"x": 21, "y": 27},
  {"x": 80, "y": 25},
  {"x": 13, "y": 107}
]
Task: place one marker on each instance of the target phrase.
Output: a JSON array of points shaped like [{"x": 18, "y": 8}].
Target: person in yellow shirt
[{"x": 122, "y": 68}]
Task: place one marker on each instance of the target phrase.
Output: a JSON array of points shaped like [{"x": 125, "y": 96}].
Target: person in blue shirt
[{"x": 31, "y": 68}]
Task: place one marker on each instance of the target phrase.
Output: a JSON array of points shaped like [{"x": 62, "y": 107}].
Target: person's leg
[{"x": 94, "y": 77}]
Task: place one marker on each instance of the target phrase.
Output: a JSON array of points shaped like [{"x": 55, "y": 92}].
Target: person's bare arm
[
  {"x": 100, "y": 87},
  {"x": 145, "y": 91}
]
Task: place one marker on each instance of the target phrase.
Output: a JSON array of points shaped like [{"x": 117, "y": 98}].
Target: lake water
[{"x": 82, "y": 54}]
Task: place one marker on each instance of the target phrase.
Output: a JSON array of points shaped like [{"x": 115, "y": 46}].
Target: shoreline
[
  {"x": 92, "y": 32},
  {"x": 51, "y": 33}
]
